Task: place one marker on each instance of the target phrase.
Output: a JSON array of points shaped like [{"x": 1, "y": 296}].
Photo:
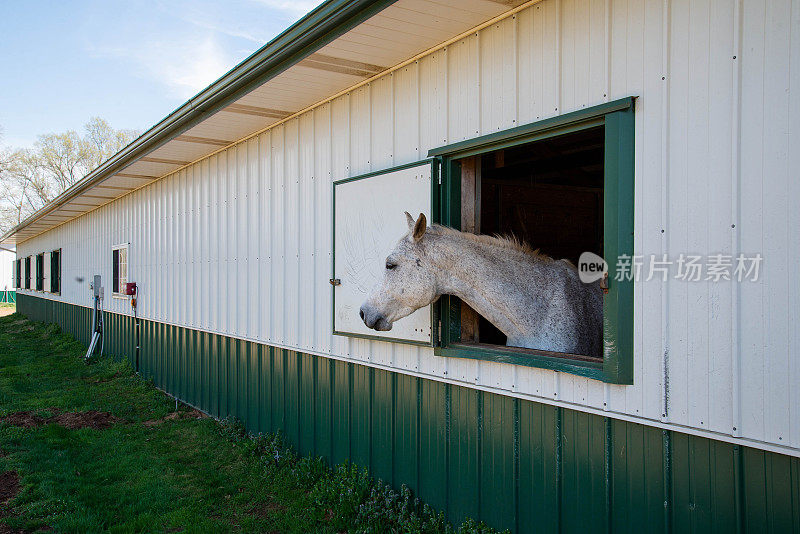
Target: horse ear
[
  {"x": 420, "y": 227},
  {"x": 410, "y": 221}
]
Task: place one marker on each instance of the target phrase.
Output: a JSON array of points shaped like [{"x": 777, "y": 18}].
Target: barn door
[{"x": 368, "y": 222}]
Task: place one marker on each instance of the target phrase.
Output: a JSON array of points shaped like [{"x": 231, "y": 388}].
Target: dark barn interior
[{"x": 548, "y": 193}]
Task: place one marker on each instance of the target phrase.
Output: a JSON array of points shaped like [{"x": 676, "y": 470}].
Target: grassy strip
[{"x": 161, "y": 470}]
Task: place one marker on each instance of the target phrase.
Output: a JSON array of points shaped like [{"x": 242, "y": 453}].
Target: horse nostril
[{"x": 361, "y": 314}]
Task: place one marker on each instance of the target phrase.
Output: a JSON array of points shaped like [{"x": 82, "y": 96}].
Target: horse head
[{"x": 409, "y": 280}]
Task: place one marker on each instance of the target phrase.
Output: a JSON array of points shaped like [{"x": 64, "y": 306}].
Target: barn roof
[{"x": 337, "y": 46}]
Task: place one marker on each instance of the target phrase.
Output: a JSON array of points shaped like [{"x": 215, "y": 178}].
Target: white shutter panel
[{"x": 368, "y": 222}]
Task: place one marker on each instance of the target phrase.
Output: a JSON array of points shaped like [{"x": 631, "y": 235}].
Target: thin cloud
[
  {"x": 186, "y": 58},
  {"x": 183, "y": 67},
  {"x": 194, "y": 67},
  {"x": 231, "y": 32}
]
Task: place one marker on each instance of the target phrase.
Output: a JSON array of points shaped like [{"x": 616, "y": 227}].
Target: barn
[
  {"x": 7, "y": 284},
  {"x": 255, "y": 219}
]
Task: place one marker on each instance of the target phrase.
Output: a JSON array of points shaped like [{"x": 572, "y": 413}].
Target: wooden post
[{"x": 470, "y": 222}]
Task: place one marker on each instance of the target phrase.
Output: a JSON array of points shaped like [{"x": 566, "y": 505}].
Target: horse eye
[{"x": 390, "y": 265}]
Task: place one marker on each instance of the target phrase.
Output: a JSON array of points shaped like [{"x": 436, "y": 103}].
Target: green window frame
[
  {"x": 40, "y": 271},
  {"x": 55, "y": 271},
  {"x": 618, "y": 120},
  {"x": 28, "y": 272}
]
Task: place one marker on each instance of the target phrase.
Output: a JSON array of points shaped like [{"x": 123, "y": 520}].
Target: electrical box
[
  {"x": 130, "y": 288},
  {"x": 96, "y": 286}
]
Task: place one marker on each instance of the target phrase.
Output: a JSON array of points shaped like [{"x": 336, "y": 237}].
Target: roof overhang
[{"x": 340, "y": 44}]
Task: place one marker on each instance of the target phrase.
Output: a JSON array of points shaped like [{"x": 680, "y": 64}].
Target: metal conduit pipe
[{"x": 97, "y": 332}]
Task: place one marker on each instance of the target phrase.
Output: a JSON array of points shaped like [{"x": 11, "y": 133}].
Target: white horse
[{"x": 536, "y": 301}]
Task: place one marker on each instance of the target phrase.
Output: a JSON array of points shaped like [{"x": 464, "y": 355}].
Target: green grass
[{"x": 181, "y": 475}]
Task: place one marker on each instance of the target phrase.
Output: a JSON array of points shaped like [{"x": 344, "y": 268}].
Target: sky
[{"x": 129, "y": 62}]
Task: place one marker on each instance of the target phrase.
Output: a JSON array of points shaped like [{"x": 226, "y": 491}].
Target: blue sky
[{"x": 130, "y": 62}]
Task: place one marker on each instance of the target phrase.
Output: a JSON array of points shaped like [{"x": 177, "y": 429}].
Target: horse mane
[{"x": 507, "y": 242}]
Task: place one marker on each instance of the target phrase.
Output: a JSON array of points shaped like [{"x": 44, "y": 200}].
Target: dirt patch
[
  {"x": 176, "y": 416},
  {"x": 7, "y": 310},
  {"x": 9, "y": 486},
  {"x": 25, "y": 419},
  {"x": 71, "y": 420},
  {"x": 90, "y": 419}
]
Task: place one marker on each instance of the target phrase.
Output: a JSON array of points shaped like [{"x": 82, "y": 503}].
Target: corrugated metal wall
[
  {"x": 7, "y": 259},
  {"x": 513, "y": 463},
  {"x": 239, "y": 244}
]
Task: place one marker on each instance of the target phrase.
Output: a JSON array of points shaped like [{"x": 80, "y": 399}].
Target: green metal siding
[{"x": 516, "y": 464}]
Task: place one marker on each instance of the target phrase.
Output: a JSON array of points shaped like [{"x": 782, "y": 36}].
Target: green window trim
[
  {"x": 40, "y": 271},
  {"x": 55, "y": 272},
  {"x": 28, "y": 272},
  {"x": 618, "y": 120}
]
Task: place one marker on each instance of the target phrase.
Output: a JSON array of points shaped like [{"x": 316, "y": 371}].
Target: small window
[
  {"x": 28, "y": 272},
  {"x": 55, "y": 271},
  {"x": 40, "y": 272},
  {"x": 563, "y": 186},
  {"x": 19, "y": 274},
  {"x": 119, "y": 269}
]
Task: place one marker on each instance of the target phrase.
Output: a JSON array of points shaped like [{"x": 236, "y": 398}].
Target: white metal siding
[
  {"x": 240, "y": 243},
  {"x": 7, "y": 270}
]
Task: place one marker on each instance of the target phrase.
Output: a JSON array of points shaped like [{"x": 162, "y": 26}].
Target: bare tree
[
  {"x": 10, "y": 193},
  {"x": 102, "y": 141},
  {"x": 32, "y": 177},
  {"x": 60, "y": 157}
]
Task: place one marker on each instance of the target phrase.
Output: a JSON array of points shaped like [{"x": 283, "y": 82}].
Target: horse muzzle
[{"x": 373, "y": 319}]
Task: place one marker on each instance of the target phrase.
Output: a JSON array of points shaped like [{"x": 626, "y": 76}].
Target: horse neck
[{"x": 495, "y": 281}]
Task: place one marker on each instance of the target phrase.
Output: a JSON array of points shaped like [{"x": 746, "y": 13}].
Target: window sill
[{"x": 569, "y": 363}]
